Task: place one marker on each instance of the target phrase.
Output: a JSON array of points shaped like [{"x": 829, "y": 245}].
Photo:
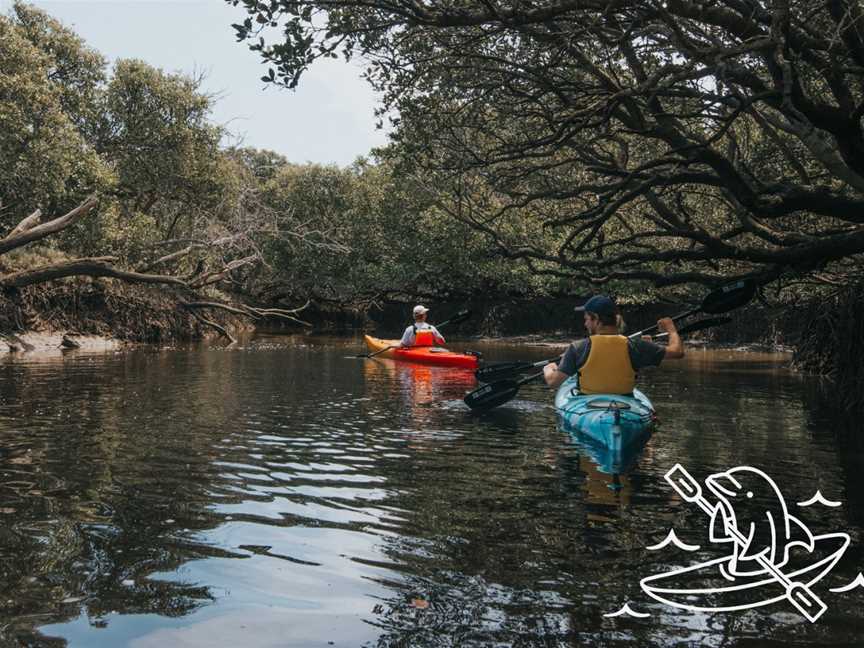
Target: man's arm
[
  {"x": 571, "y": 360},
  {"x": 407, "y": 337},
  {"x": 439, "y": 339},
  {"x": 552, "y": 376},
  {"x": 675, "y": 347}
]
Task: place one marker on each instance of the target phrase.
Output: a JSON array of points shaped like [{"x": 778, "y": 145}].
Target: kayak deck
[
  {"x": 422, "y": 355},
  {"x": 612, "y": 420}
]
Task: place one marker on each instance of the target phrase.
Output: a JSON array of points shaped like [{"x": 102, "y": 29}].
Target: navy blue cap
[{"x": 600, "y": 304}]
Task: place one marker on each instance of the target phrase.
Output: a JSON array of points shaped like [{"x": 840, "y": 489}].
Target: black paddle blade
[
  {"x": 501, "y": 370},
  {"x": 493, "y": 395},
  {"x": 728, "y": 297},
  {"x": 458, "y": 318}
]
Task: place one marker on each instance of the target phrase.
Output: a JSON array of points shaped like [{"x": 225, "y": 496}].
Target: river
[{"x": 285, "y": 493}]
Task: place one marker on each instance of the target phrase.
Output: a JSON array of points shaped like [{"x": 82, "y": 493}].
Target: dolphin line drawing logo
[
  {"x": 778, "y": 530},
  {"x": 761, "y": 540}
]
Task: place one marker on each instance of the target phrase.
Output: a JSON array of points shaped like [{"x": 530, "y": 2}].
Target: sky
[{"x": 327, "y": 119}]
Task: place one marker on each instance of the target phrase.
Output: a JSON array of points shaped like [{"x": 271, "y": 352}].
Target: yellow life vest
[{"x": 608, "y": 369}]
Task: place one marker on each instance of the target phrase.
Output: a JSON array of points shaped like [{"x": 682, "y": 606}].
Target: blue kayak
[{"x": 612, "y": 420}]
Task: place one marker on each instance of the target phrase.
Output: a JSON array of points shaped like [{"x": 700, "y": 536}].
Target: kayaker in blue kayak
[
  {"x": 421, "y": 333},
  {"x": 606, "y": 362}
]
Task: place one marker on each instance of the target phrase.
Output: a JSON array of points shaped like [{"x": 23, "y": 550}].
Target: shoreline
[{"x": 42, "y": 342}]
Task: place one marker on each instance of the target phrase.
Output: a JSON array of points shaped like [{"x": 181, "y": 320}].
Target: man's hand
[
  {"x": 666, "y": 324},
  {"x": 552, "y": 376}
]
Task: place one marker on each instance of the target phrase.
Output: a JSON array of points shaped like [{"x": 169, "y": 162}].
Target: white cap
[{"x": 420, "y": 310}]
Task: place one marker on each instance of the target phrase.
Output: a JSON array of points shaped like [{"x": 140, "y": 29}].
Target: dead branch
[
  {"x": 282, "y": 313},
  {"x": 92, "y": 267},
  {"x": 27, "y": 223},
  {"x": 212, "y": 277},
  {"x": 212, "y": 324},
  {"x": 249, "y": 311},
  {"x": 168, "y": 258},
  {"x": 237, "y": 310},
  {"x": 19, "y": 237}
]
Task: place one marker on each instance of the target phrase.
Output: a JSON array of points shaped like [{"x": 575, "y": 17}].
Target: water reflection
[{"x": 282, "y": 493}]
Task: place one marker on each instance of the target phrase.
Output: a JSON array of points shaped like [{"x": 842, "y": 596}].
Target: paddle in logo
[{"x": 768, "y": 555}]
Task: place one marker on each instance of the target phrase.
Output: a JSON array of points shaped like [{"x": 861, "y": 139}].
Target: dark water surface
[{"x": 284, "y": 494}]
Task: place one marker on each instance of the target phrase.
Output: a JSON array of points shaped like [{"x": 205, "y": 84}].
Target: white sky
[{"x": 328, "y": 119}]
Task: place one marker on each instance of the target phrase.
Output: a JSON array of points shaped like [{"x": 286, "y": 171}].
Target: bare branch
[
  {"x": 26, "y": 224},
  {"x": 92, "y": 267},
  {"x": 20, "y": 237}
]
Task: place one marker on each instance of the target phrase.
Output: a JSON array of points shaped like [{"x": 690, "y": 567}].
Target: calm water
[{"x": 286, "y": 494}]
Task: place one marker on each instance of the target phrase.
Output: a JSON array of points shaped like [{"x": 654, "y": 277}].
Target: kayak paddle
[
  {"x": 458, "y": 318},
  {"x": 501, "y": 391},
  {"x": 497, "y": 393},
  {"x": 718, "y": 301},
  {"x": 698, "y": 326},
  {"x": 799, "y": 594},
  {"x": 500, "y": 371}
]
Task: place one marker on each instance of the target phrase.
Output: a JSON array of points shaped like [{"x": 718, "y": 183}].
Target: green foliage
[
  {"x": 143, "y": 140},
  {"x": 45, "y": 160},
  {"x": 76, "y": 71},
  {"x": 671, "y": 143},
  {"x": 363, "y": 233},
  {"x": 155, "y": 133}
]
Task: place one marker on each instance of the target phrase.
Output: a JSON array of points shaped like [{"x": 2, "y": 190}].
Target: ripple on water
[{"x": 167, "y": 498}]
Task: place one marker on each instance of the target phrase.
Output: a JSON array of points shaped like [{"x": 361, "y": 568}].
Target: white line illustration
[
  {"x": 672, "y": 539},
  {"x": 819, "y": 498},
  {"x": 858, "y": 582},
  {"x": 760, "y": 543},
  {"x": 629, "y": 611}
]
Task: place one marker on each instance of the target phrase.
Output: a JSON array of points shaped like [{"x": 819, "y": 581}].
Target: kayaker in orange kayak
[
  {"x": 421, "y": 333},
  {"x": 607, "y": 361}
]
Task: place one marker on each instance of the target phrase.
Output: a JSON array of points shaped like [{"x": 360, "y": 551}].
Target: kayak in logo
[{"x": 771, "y": 555}]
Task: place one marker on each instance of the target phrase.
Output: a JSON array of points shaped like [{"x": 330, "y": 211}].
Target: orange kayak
[{"x": 422, "y": 355}]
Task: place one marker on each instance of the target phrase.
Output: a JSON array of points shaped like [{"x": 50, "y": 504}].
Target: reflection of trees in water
[
  {"x": 505, "y": 527},
  {"x": 507, "y": 540},
  {"x": 91, "y": 511},
  {"x": 518, "y": 540}
]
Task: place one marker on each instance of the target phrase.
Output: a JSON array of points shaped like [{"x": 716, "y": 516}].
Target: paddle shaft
[
  {"x": 801, "y": 596},
  {"x": 372, "y": 355},
  {"x": 493, "y": 373},
  {"x": 461, "y": 316},
  {"x": 721, "y": 300}
]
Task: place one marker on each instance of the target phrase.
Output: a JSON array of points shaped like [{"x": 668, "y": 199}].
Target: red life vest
[{"x": 424, "y": 337}]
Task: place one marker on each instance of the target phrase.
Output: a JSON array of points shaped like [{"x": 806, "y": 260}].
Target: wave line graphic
[
  {"x": 858, "y": 582},
  {"x": 628, "y": 611},
  {"x": 672, "y": 539},
  {"x": 819, "y": 498}
]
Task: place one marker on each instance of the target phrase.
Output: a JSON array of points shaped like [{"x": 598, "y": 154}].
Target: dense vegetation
[
  {"x": 174, "y": 203},
  {"x": 675, "y": 142},
  {"x": 537, "y": 150}
]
